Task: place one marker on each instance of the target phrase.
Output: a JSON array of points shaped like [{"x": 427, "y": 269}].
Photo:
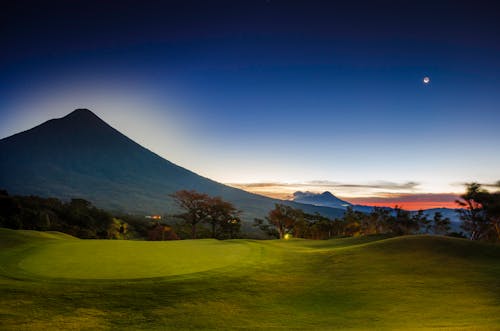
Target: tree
[
  {"x": 481, "y": 212},
  {"x": 222, "y": 215},
  {"x": 403, "y": 223},
  {"x": 473, "y": 217},
  {"x": 338, "y": 227},
  {"x": 352, "y": 221},
  {"x": 421, "y": 222},
  {"x": 229, "y": 228},
  {"x": 491, "y": 207},
  {"x": 439, "y": 224},
  {"x": 10, "y": 212},
  {"x": 381, "y": 217},
  {"x": 161, "y": 232},
  {"x": 118, "y": 229},
  {"x": 265, "y": 226},
  {"x": 317, "y": 226},
  {"x": 281, "y": 219},
  {"x": 195, "y": 205}
]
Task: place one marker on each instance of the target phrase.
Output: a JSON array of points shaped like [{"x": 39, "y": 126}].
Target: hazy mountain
[
  {"x": 325, "y": 199},
  {"x": 80, "y": 155}
]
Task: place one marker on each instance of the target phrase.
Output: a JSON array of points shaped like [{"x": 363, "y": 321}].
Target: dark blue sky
[{"x": 281, "y": 91}]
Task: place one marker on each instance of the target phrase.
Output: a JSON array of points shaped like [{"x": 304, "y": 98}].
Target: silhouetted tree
[
  {"x": 10, "y": 212},
  {"x": 317, "y": 226},
  {"x": 439, "y": 224},
  {"x": 222, "y": 215},
  {"x": 195, "y": 205},
  {"x": 282, "y": 218},
  {"x": 480, "y": 212},
  {"x": 491, "y": 206},
  {"x": 381, "y": 217},
  {"x": 473, "y": 217},
  {"x": 78, "y": 217},
  {"x": 421, "y": 222},
  {"x": 352, "y": 221},
  {"x": 230, "y": 228},
  {"x": 403, "y": 223}
]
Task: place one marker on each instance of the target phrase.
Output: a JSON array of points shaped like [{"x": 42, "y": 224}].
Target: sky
[{"x": 274, "y": 96}]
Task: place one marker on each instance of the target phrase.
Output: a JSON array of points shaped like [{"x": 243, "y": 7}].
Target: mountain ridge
[
  {"x": 325, "y": 199},
  {"x": 80, "y": 155}
]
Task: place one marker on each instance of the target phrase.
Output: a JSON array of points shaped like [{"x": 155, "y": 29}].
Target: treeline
[
  {"x": 203, "y": 216},
  {"x": 285, "y": 221},
  {"x": 76, "y": 217},
  {"x": 479, "y": 213}
]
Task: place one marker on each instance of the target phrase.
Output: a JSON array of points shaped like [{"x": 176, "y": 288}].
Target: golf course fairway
[{"x": 52, "y": 281}]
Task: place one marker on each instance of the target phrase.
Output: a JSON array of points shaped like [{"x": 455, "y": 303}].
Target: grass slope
[{"x": 52, "y": 281}]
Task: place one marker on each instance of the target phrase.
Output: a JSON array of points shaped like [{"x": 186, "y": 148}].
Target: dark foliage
[
  {"x": 161, "y": 232},
  {"x": 480, "y": 212},
  {"x": 284, "y": 220},
  {"x": 77, "y": 217},
  {"x": 200, "y": 208}
]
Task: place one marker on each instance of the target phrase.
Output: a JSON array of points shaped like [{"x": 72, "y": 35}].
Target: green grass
[
  {"x": 106, "y": 259},
  {"x": 51, "y": 281}
]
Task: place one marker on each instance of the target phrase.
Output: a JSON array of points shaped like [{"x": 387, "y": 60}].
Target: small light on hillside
[{"x": 288, "y": 236}]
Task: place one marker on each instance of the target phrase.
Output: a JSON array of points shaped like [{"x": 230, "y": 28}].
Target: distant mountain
[
  {"x": 325, "y": 199},
  {"x": 80, "y": 155}
]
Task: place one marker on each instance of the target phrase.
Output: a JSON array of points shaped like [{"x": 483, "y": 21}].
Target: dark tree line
[
  {"x": 76, "y": 217},
  {"x": 479, "y": 212},
  {"x": 285, "y": 220},
  {"x": 216, "y": 218}
]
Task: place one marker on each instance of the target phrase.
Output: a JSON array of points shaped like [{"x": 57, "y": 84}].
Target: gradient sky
[{"x": 306, "y": 95}]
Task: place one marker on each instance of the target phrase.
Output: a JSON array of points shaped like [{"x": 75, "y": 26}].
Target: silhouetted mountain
[
  {"x": 325, "y": 199},
  {"x": 80, "y": 155}
]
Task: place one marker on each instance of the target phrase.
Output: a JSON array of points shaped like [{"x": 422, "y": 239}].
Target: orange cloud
[
  {"x": 380, "y": 194},
  {"x": 410, "y": 201}
]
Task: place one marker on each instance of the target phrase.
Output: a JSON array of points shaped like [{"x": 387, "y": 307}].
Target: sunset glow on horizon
[
  {"x": 303, "y": 97},
  {"x": 410, "y": 201},
  {"x": 408, "y": 205}
]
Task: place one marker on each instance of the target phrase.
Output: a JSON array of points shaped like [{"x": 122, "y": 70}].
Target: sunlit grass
[{"x": 353, "y": 283}]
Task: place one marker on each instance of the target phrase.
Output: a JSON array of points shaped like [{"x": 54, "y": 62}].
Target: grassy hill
[{"x": 53, "y": 281}]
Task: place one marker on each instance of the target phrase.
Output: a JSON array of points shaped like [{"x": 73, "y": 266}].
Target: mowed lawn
[{"x": 51, "y": 281}]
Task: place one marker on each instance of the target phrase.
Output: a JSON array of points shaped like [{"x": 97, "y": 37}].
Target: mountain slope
[
  {"x": 80, "y": 155},
  {"x": 325, "y": 199}
]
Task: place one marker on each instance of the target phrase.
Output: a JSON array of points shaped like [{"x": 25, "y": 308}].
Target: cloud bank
[{"x": 379, "y": 193}]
